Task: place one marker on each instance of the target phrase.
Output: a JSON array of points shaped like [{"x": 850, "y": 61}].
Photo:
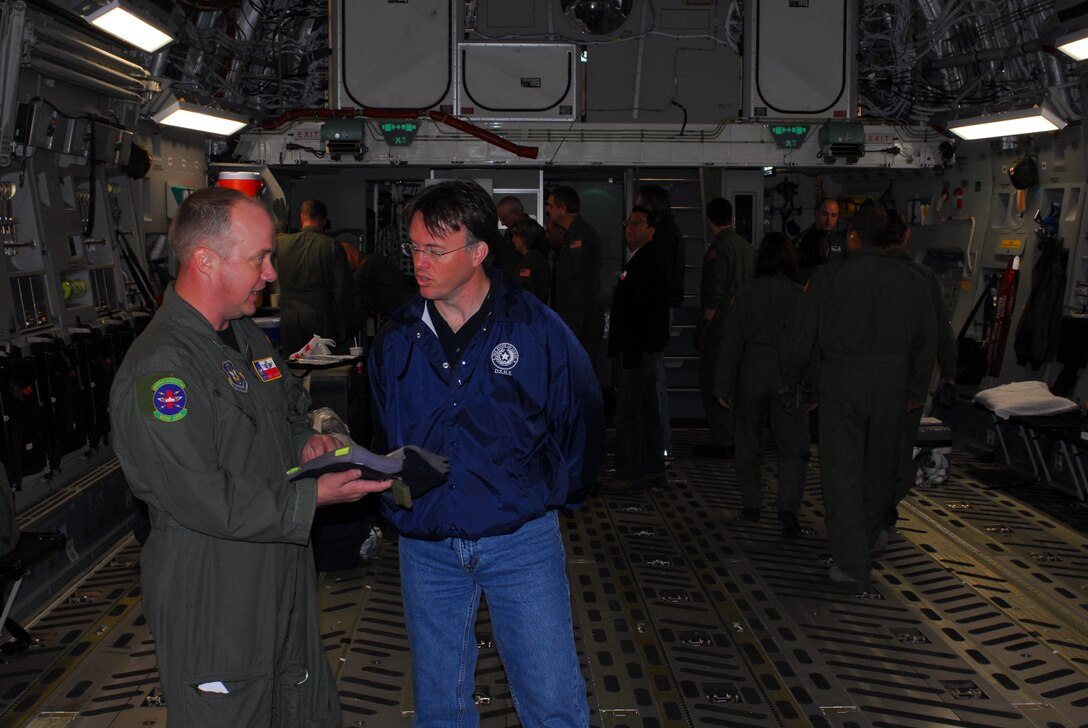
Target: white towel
[{"x": 1023, "y": 398}]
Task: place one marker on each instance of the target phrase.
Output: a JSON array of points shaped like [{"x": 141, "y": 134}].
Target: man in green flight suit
[
  {"x": 727, "y": 265},
  {"x": 906, "y": 468},
  {"x": 206, "y": 421},
  {"x": 869, "y": 322},
  {"x": 315, "y": 282}
]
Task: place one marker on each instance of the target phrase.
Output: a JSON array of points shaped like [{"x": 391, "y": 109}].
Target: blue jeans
[{"x": 523, "y": 575}]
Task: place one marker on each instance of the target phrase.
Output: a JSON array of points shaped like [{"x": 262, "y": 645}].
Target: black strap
[{"x": 978, "y": 304}]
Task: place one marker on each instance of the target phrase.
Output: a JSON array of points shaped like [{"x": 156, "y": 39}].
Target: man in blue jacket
[{"x": 485, "y": 374}]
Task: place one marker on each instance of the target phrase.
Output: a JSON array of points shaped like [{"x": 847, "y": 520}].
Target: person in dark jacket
[
  {"x": 480, "y": 371},
  {"x": 511, "y": 211},
  {"x": 576, "y": 269},
  {"x": 528, "y": 265},
  {"x": 869, "y": 323},
  {"x": 206, "y": 422},
  {"x": 315, "y": 283},
  {"x": 749, "y": 381},
  {"x": 667, "y": 233},
  {"x": 638, "y": 330}
]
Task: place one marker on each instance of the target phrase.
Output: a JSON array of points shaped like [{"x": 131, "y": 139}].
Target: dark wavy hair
[
  {"x": 449, "y": 206},
  {"x": 531, "y": 232},
  {"x": 776, "y": 255}
]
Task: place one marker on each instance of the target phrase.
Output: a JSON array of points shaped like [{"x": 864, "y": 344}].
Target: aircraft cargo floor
[{"x": 978, "y": 617}]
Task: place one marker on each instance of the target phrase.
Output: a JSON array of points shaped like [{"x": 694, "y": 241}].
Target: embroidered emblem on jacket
[
  {"x": 169, "y": 399},
  {"x": 266, "y": 369},
  {"x": 504, "y": 357},
  {"x": 235, "y": 378}
]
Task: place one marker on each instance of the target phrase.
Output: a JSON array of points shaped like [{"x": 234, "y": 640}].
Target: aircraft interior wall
[{"x": 89, "y": 184}]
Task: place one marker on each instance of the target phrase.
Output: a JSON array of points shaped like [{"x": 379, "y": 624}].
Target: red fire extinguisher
[{"x": 958, "y": 194}]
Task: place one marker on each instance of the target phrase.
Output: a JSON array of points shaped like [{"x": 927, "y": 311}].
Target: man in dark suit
[{"x": 638, "y": 330}]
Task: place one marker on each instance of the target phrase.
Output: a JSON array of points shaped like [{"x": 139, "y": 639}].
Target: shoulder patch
[
  {"x": 235, "y": 377},
  {"x": 575, "y": 244},
  {"x": 267, "y": 369},
  {"x": 169, "y": 401}
]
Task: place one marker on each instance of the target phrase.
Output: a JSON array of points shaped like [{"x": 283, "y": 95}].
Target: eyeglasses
[{"x": 411, "y": 249}]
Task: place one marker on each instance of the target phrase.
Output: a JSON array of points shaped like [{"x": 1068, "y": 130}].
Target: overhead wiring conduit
[
  {"x": 60, "y": 72},
  {"x": 77, "y": 62},
  {"x": 109, "y": 59}
]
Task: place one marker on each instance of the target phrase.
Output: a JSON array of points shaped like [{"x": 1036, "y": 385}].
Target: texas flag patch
[{"x": 266, "y": 369}]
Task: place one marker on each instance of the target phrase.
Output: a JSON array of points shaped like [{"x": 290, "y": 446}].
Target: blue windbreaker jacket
[{"x": 519, "y": 415}]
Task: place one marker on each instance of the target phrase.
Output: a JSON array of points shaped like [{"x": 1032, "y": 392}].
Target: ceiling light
[
  {"x": 200, "y": 118},
  {"x": 1074, "y": 45},
  {"x": 121, "y": 20},
  {"x": 1007, "y": 123}
]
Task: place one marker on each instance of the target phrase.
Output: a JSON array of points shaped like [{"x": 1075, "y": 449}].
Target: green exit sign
[
  {"x": 398, "y": 133},
  {"x": 789, "y": 136}
]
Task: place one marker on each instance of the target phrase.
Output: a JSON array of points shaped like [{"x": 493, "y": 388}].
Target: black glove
[{"x": 701, "y": 327}]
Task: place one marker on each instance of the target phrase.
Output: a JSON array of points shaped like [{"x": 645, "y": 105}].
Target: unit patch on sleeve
[
  {"x": 169, "y": 400},
  {"x": 235, "y": 377},
  {"x": 266, "y": 369}
]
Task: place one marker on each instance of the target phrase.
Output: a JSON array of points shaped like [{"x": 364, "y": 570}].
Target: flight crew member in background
[
  {"x": 827, "y": 222},
  {"x": 511, "y": 211},
  {"x": 870, "y": 322},
  {"x": 206, "y": 422},
  {"x": 656, "y": 199},
  {"x": 750, "y": 380},
  {"x": 480, "y": 371},
  {"x": 637, "y": 332},
  {"x": 378, "y": 285},
  {"x": 315, "y": 283},
  {"x": 529, "y": 264},
  {"x": 576, "y": 269},
  {"x": 726, "y": 266},
  {"x": 898, "y": 237}
]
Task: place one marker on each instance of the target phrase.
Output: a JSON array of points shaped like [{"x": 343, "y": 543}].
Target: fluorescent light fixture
[
  {"x": 118, "y": 20},
  {"x": 1007, "y": 123},
  {"x": 1074, "y": 45},
  {"x": 200, "y": 118}
]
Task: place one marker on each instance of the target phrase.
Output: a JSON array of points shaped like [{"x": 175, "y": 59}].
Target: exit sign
[
  {"x": 789, "y": 136},
  {"x": 398, "y": 133}
]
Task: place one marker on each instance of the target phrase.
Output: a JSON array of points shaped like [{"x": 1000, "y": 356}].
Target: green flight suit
[
  {"x": 205, "y": 433},
  {"x": 871, "y": 324},
  {"x": 749, "y": 375},
  {"x": 728, "y": 263},
  {"x": 906, "y": 468},
  {"x": 316, "y": 294}
]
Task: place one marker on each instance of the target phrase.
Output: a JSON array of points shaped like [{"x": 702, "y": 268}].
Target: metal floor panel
[{"x": 978, "y": 617}]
